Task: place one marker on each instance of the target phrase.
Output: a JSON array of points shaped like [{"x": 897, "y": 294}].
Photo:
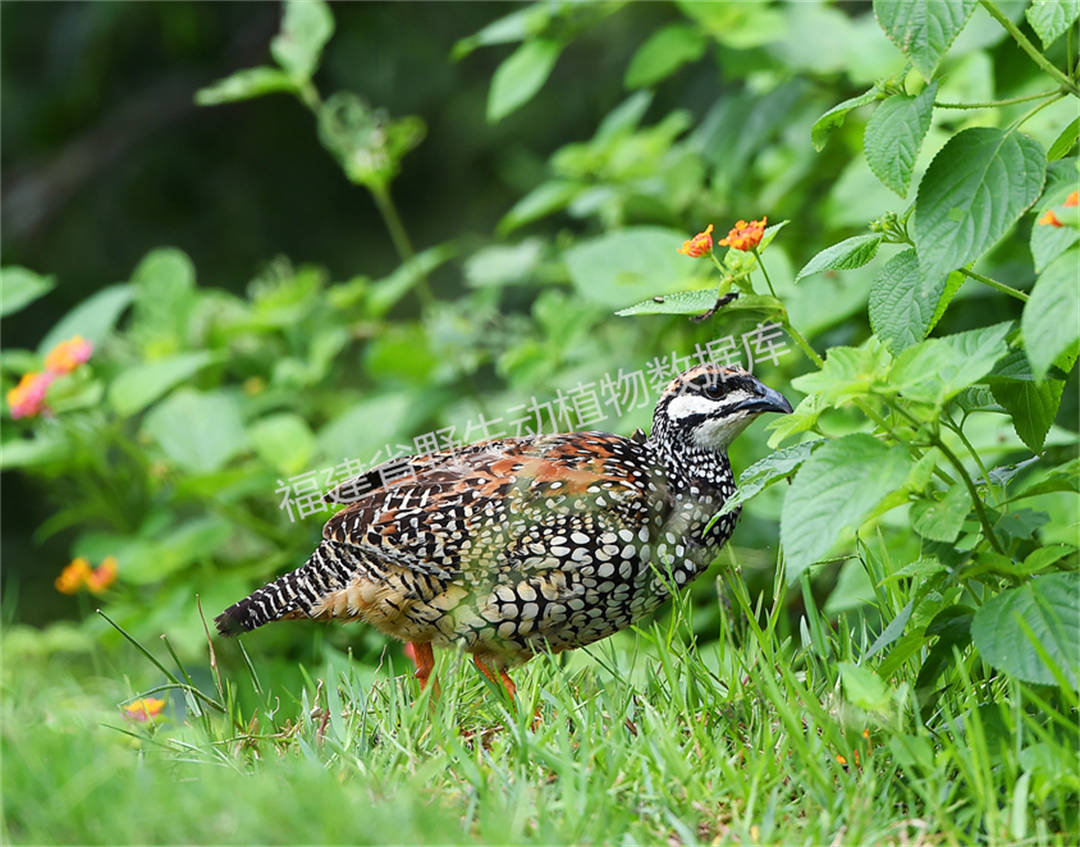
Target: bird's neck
[{"x": 689, "y": 466}]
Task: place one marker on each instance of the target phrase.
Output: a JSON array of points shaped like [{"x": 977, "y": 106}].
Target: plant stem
[
  {"x": 993, "y": 283},
  {"x": 811, "y": 354},
  {"x": 971, "y": 449},
  {"x": 993, "y": 104},
  {"x": 761, "y": 265},
  {"x": 1028, "y": 47},
  {"x": 976, "y": 501},
  {"x": 388, "y": 210},
  {"x": 1015, "y": 125}
]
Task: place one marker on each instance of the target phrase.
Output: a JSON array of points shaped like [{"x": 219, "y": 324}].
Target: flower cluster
[
  {"x": 1050, "y": 218},
  {"x": 27, "y": 399},
  {"x": 698, "y": 246},
  {"x": 79, "y": 574},
  {"x": 745, "y": 236},
  {"x": 144, "y": 709}
]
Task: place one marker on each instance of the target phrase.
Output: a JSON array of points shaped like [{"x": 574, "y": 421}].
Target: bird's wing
[{"x": 468, "y": 510}]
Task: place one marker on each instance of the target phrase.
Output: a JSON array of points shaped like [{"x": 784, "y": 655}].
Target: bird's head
[{"x": 708, "y": 405}]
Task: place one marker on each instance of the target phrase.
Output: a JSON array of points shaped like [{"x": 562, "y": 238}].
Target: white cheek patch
[{"x": 686, "y": 405}]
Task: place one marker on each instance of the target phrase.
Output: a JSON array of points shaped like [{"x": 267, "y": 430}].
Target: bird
[{"x": 513, "y": 546}]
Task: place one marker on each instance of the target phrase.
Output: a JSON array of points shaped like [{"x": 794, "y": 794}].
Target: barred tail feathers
[{"x": 292, "y": 595}]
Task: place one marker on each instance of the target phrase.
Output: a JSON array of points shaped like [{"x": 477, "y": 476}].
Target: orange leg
[
  {"x": 424, "y": 658},
  {"x": 508, "y": 683}
]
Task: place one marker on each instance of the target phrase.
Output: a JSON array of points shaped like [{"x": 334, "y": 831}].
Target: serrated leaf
[
  {"x": 305, "y": 28},
  {"x": 1049, "y": 320},
  {"x": 1064, "y": 142},
  {"x": 19, "y": 287},
  {"x": 1050, "y": 607},
  {"x": 976, "y": 187},
  {"x": 848, "y": 371},
  {"x": 1063, "y": 478},
  {"x": 665, "y": 51},
  {"x": 769, "y": 471},
  {"x": 823, "y": 126},
  {"x": 844, "y": 255},
  {"x": 695, "y": 302},
  {"x": 93, "y": 318},
  {"x": 139, "y": 386},
  {"x": 894, "y": 135},
  {"x": 936, "y": 370},
  {"x": 923, "y": 29},
  {"x": 863, "y": 687},
  {"x": 1048, "y": 241},
  {"x": 1032, "y": 408},
  {"x": 904, "y": 301},
  {"x": 836, "y": 489},
  {"x": 941, "y": 520},
  {"x": 1050, "y": 18},
  {"x": 244, "y": 85},
  {"x": 521, "y": 75}
]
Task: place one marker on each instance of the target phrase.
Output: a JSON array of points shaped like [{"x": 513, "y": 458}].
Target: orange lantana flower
[
  {"x": 1050, "y": 219},
  {"x": 745, "y": 236},
  {"x": 68, "y": 355},
  {"x": 74, "y": 576},
  {"x": 28, "y": 397},
  {"x": 144, "y": 709},
  {"x": 102, "y": 576},
  {"x": 699, "y": 245},
  {"x": 1073, "y": 199}
]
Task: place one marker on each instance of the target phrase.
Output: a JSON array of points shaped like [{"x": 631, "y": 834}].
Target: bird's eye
[{"x": 713, "y": 390}]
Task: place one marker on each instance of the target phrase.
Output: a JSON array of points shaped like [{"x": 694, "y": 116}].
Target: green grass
[{"x": 641, "y": 739}]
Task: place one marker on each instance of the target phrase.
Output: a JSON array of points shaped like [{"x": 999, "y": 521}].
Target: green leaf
[
  {"x": 521, "y": 75},
  {"x": 975, "y": 189},
  {"x": 936, "y": 370},
  {"x": 627, "y": 265},
  {"x": 844, "y": 255},
  {"x": 1050, "y": 18},
  {"x": 198, "y": 431},
  {"x": 863, "y": 687},
  {"x": 1064, "y": 142},
  {"x": 769, "y": 471},
  {"x": 1050, "y": 606},
  {"x": 923, "y": 29},
  {"x": 823, "y": 126},
  {"x": 546, "y": 198},
  {"x": 1064, "y": 478},
  {"x": 1032, "y": 407},
  {"x": 848, "y": 371},
  {"x": 1049, "y": 321},
  {"x": 904, "y": 301},
  {"x": 305, "y": 28},
  {"x": 836, "y": 489},
  {"x": 695, "y": 302},
  {"x": 244, "y": 85},
  {"x": 894, "y": 135},
  {"x": 148, "y": 562},
  {"x": 384, "y": 294},
  {"x": 517, "y": 26},
  {"x": 503, "y": 264},
  {"x": 665, "y": 51},
  {"x": 941, "y": 520},
  {"x": 20, "y": 287},
  {"x": 892, "y": 632},
  {"x": 365, "y": 427},
  {"x": 93, "y": 318},
  {"x": 42, "y": 449},
  {"x": 284, "y": 441},
  {"x": 1048, "y": 241},
  {"x": 139, "y": 386}
]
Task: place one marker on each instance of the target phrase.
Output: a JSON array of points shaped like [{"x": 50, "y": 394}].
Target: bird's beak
[{"x": 767, "y": 400}]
